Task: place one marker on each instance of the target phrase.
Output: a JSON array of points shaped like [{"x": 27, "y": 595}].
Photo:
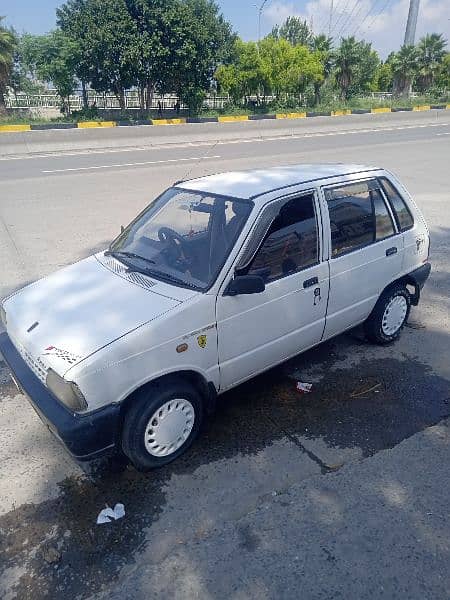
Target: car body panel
[{"x": 74, "y": 312}]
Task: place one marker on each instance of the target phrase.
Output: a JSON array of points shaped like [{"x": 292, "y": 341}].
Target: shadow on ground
[{"x": 372, "y": 407}]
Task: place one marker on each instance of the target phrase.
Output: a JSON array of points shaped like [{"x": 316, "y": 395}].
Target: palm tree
[
  {"x": 323, "y": 46},
  {"x": 404, "y": 65},
  {"x": 346, "y": 60},
  {"x": 431, "y": 51},
  {"x": 7, "y": 47}
]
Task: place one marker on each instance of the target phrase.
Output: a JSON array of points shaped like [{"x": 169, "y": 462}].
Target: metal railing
[{"x": 104, "y": 101}]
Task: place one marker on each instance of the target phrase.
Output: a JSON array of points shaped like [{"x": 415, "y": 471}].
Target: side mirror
[
  {"x": 122, "y": 229},
  {"x": 245, "y": 284}
]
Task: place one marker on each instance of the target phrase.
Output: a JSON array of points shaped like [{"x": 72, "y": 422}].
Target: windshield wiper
[
  {"x": 149, "y": 272},
  {"x": 172, "y": 278},
  {"x": 118, "y": 253}
]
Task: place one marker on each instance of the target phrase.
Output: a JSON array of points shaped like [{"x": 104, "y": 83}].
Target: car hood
[{"x": 61, "y": 319}]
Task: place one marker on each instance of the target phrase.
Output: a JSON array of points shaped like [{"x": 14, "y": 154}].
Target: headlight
[
  {"x": 66, "y": 391},
  {"x": 3, "y": 315}
]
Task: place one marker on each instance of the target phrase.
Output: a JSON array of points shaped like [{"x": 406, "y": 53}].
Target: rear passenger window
[
  {"x": 292, "y": 242},
  {"x": 400, "y": 210},
  {"x": 358, "y": 216}
]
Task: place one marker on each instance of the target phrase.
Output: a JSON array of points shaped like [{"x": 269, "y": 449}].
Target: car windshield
[{"x": 183, "y": 237}]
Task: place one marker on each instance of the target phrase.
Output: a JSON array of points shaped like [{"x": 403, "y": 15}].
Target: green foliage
[
  {"x": 55, "y": 64},
  {"x": 8, "y": 43},
  {"x": 383, "y": 78},
  {"x": 103, "y": 36},
  {"x": 355, "y": 66},
  {"x": 164, "y": 45},
  {"x": 443, "y": 78},
  {"x": 404, "y": 64},
  {"x": 276, "y": 67},
  {"x": 294, "y": 30},
  {"x": 430, "y": 54}
]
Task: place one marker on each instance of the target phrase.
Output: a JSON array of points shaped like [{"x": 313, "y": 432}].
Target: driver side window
[{"x": 292, "y": 242}]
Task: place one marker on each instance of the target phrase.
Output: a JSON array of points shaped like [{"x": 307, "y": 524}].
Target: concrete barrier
[{"x": 65, "y": 137}]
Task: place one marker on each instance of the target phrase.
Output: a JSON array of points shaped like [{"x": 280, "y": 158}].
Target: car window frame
[
  {"x": 349, "y": 182},
  {"x": 278, "y": 203},
  {"x": 394, "y": 212}
]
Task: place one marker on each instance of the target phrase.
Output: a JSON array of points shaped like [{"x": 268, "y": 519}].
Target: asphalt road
[{"x": 339, "y": 493}]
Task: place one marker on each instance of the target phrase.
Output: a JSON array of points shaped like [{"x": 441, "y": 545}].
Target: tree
[
  {"x": 53, "y": 56},
  {"x": 322, "y": 45},
  {"x": 8, "y": 43},
  {"x": 104, "y": 43},
  {"x": 430, "y": 53},
  {"x": 382, "y": 80},
  {"x": 244, "y": 76},
  {"x": 156, "y": 22},
  {"x": 288, "y": 68},
  {"x": 203, "y": 41},
  {"x": 404, "y": 64},
  {"x": 295, "y": 31},
  {"x": 443, "y": 79},
  {"x": 24, "y": 77},
  {"x": 355, "y": 66}
]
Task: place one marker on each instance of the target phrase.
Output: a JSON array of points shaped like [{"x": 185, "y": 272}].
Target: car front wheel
[
  {"x": 161, "y": 424},
  {"x": 389, "y": 315}
]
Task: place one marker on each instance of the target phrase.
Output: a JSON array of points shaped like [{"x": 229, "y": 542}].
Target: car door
[
  {"x": 365, "y": 251},
  {"x": 257, "y": 331}
]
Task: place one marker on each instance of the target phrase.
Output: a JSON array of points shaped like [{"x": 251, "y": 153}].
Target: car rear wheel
[
  {"x": 389, "y": 315},
  {"x": 162, "y": 423}
]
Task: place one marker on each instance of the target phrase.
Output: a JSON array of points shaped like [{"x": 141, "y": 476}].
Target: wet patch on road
[{"x": 370, "y": 407}]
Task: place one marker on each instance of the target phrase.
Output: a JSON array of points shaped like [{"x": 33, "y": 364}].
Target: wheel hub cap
[
  {"x": 394, "y": 315},
  {"x": 169, "y": 427}
]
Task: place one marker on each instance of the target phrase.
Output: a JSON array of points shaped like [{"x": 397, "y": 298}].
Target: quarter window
[
  {"x": 358, "y": 216},
  {"x": 292, "y": 242},
  {"x": 401, "y": 211}
]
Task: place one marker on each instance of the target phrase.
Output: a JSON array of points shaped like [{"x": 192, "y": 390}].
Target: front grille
[{"x": 36, "y": 364}]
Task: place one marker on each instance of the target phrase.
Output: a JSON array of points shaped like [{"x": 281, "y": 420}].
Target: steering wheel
[{"x": 174, "y": 245}]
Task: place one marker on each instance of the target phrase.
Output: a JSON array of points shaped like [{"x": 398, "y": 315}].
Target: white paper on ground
[
  {"x": 107, "y": 514},
  {"x": 304, "y": 388}
]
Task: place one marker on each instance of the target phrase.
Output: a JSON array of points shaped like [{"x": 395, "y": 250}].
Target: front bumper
[{"x": 86, "y": 436}]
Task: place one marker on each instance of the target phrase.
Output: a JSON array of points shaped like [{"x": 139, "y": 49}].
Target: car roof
[{"x": 249, "y": 184}]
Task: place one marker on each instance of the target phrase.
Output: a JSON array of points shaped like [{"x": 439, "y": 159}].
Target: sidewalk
[{"x": 375, "y": 529}]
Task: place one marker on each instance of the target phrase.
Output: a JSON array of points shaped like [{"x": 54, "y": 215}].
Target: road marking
[
  {"x": 447, "y": 133},
  {"x": 211, "y": 142},
  {"x": 135, "y": 164}
]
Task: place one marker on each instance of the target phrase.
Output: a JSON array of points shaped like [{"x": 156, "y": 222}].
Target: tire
[
  {"x": 389, "y": 315},
  {"x": 162, "y": 423}
]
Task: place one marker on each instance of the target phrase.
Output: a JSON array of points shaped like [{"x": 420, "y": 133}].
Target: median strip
[
  {"x": 12, "y": 128},
  {"x": 222, "y": 119},
  {"x": 94, "y": 124}
]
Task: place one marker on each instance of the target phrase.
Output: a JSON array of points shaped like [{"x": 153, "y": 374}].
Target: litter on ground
[
  {"x": 304, "y": 388},
  {"x": 108, "y": 514}
]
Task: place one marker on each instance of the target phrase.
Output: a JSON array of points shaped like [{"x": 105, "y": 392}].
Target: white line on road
[
  {"x": 147, "y": 162},
  {"x": 447, "y": 133},
  {"x": 196, "y": 144}
]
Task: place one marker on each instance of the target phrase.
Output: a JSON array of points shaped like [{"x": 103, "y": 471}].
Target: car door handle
[
  {"x": 310, "y": 282},
  {"x": 391, "y": 251}
]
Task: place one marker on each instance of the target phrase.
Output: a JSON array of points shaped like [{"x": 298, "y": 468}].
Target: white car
[{"x": 217, "y": 280}]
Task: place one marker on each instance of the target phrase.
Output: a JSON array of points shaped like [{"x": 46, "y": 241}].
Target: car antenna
[{"x": 196, "y": 164}]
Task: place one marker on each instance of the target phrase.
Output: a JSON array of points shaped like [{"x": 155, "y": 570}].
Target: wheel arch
[
  {"x": 206, "y": 389},
  {"x": 406, "y": 280}
]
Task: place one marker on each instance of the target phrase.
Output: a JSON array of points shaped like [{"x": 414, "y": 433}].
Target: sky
[{"x": 380, "y": 21}]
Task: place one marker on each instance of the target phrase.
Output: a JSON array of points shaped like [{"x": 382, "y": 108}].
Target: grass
[{"x": 24, "y": 117}]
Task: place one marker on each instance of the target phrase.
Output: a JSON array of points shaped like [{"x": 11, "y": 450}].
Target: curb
[{"x": 221, "y": 119}]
